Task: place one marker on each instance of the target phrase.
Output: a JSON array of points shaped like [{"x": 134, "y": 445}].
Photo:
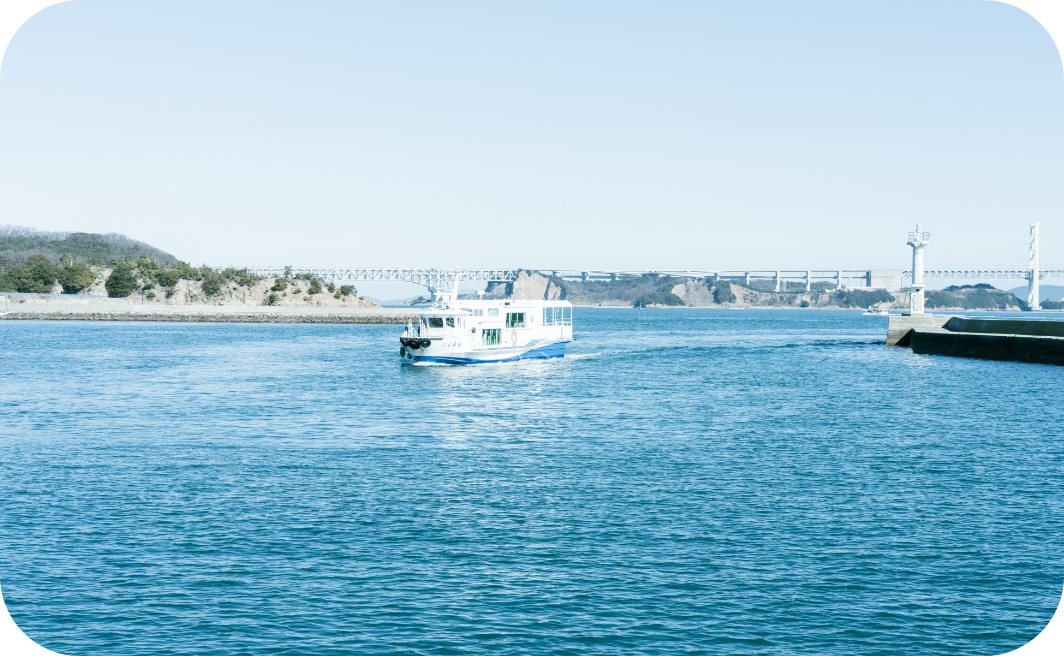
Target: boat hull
[{"x": 541, "y": 350}]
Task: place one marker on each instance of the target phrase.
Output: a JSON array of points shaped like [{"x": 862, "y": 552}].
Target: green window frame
[{"x": 515, "y": 319}]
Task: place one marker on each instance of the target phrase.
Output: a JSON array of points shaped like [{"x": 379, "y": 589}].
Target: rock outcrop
[{"x": 529, "y": 286}]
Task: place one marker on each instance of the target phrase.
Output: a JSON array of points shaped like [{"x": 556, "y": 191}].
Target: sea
[{"x": 685, "y": 481}]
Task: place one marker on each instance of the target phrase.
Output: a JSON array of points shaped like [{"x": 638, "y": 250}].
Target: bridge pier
[
  {"x": 778, "y": 279},
  {"x": 1032, "y": 284}
]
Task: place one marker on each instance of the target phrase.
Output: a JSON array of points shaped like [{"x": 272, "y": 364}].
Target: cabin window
[
  {"x": 477, "y": 313},
  {"x": 493, "y": 312},
  {"x": 515, "y": 319},
  {"x": 435, "y": 322},
  {"x": 450, "y": 323},
  {"x": 548, "y": 316},
  {"x": 491, "y": 336},
  {"x": 563, "y": 316}
]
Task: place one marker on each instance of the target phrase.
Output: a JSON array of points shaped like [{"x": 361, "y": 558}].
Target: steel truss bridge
[
  {"x": 1014, "y": 274},
  {"x": 434, "y": 279}
]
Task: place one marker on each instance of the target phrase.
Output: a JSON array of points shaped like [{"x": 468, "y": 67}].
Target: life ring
[{"x": 513, "y": 337}]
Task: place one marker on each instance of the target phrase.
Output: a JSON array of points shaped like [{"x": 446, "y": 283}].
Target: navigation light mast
[{"x": 918, "y": 240}]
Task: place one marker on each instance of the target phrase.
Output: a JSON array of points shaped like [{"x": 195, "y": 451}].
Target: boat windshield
[{"x": 557, "y": 316}]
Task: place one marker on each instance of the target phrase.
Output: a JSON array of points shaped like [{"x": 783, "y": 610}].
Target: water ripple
[{"x": 692, "y": 481}]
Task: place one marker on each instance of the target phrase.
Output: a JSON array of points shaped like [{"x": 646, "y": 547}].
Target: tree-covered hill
[
  {"x": 17, "y": 244},
  {"x": 972, "y": 297}
]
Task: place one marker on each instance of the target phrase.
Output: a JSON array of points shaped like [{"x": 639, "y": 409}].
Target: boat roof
[
  {"x": 443, "y": 312},
  {"x": 461, "y": 307},
  {"x": 507, "y": 302}
]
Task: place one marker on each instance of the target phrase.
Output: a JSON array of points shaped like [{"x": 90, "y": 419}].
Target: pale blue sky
[{"x": 668, "y": 135}]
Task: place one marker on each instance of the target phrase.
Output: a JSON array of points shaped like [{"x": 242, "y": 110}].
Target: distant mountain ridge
[
  {"x": 17, "y": 243},
  {"x": 1048, "y": 292}
]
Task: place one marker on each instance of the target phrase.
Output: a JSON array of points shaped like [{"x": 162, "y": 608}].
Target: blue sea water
[{"x": 688, "y": 482}]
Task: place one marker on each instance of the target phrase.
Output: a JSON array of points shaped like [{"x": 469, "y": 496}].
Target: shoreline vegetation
[{"x": 80, "y": 264}]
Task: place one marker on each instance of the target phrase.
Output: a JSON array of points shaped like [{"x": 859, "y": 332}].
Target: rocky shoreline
[
  {"x": 664, "y": 291},
  {"x": 671, "y": 291}
]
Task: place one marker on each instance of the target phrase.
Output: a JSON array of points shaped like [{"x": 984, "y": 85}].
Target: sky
[{"x": 550, "y": 135}]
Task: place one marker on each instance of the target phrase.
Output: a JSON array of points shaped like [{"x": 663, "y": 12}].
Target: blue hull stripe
[{"x": 545, "y": 352}]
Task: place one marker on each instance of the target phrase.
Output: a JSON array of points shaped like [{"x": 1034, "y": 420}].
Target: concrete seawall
[
  {"x": 209, "y": 317},
  {"x": 105, "y": 309},
  {"x": 1019, "y": 348},
  {"x": 988, "y": 339}
]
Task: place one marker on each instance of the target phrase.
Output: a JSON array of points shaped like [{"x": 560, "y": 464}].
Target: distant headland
[
  {"x": 674, "y": 291},
  {"x": 115, "y": 266}
]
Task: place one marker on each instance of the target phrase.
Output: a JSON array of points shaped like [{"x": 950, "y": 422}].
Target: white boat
[
  {"x": 480, "y": 331},
  {"x": 872, "y": 312}
]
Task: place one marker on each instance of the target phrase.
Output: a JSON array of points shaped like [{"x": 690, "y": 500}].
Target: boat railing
[{"x": 412, "y": 331}]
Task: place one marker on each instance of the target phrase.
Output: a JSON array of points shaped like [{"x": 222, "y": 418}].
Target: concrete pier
[
  {"x": 988, "y": 339},
  {"x": 900, "y": 328}
]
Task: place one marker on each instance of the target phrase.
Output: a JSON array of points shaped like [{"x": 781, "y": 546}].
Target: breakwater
[
  {"x": 214, "y": 317},
  {"x": 1035, "y": 341},
  {"x": 50, "y": 308}
]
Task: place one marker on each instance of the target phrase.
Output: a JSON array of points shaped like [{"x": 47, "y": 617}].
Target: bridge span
[{"x": 440, "y": 280}]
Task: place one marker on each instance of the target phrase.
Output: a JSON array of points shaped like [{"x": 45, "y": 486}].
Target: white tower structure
[
  {"x": 918, "y": 240},
  {"x": 1032, "y": 293}
]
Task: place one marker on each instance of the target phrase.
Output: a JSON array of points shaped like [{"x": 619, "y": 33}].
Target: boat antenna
[{"x": 454, "y": 291}]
